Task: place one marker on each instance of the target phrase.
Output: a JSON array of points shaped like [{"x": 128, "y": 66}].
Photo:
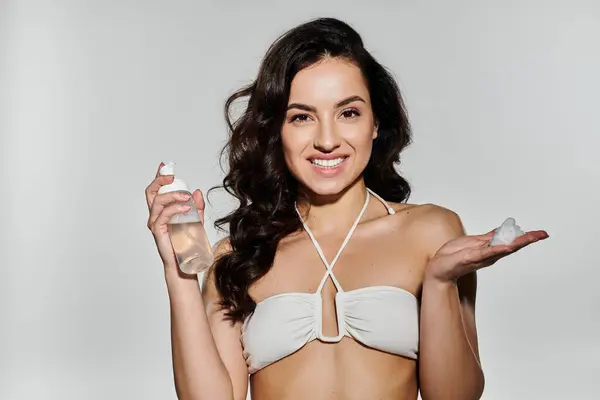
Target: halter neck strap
[{"x": 329, "y": 266}]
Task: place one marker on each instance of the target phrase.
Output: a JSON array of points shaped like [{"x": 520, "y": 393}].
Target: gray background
[{"x": 503, "y": 97}]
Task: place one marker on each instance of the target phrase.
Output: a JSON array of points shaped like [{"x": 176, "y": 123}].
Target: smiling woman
[
  {"x": 321, "y": 136},
  {"x": 327, "y": 162},
  {"x": 329, "y": 137},
  {"x": 319, "y": 96}
]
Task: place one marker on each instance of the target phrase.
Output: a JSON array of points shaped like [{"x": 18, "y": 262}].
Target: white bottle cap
[{"x": 178, "y": 184}]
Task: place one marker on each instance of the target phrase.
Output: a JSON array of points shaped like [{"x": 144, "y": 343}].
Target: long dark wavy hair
[{"x": 258, "y": 176}]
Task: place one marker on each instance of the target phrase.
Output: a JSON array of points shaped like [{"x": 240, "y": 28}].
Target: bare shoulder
[
  {"x": 427, "y": 213},
  {"x": 221, "y": 247},
  {"x": 432, "y": 224}
]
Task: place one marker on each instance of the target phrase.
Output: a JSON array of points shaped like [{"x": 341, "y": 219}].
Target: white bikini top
[{"x": 381, "y": 317}]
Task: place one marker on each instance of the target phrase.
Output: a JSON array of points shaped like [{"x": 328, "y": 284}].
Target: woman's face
[{"x": 329, "y": 126}]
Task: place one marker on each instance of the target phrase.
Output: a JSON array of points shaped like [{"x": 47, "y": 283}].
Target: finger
[
  {"x": 505, "y": 249},
  {"x": 487, "y": 236},
  {"x": 481, "y": 257},
  {"x": 539, "y": 235},
  {"x": 158, "y": 170},
  {"x": 527, "y": 239},
  {"x": 168, "y": 212},
  {"x": 155, "y": 185},
  {"x": 163, "y": 200},
  {"x": 200, "y": 205},
  {"x": 149, "y": 189}
]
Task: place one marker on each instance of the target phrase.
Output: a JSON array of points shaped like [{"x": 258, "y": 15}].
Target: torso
[{"x": 384, "y": 250}]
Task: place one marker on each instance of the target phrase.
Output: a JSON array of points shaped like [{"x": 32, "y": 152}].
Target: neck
[{"x": 331, "y": 213}]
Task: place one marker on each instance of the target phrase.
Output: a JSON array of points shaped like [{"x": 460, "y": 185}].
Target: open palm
[{"x": 466, "y": 254}]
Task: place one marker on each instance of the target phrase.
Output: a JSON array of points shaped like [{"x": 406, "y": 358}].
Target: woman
[{"x": 311, "y": 161}]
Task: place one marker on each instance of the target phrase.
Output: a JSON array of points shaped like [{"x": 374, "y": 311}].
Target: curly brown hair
[{"x": 258, "y": 176}]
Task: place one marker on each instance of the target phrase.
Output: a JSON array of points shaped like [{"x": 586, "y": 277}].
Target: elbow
[
  {"x": 478, "y": 385},
  {"x": 468, "y": 389}
]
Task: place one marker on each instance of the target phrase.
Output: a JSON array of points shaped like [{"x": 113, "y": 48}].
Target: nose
[{"x": 327, "y": 139}]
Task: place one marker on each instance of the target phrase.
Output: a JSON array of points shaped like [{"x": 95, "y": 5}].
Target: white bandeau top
[{"x": 381, "y": 317}]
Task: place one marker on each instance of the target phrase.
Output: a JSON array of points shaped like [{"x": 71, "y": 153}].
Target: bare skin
[
  {"x": 384, "y": 250},
  {"x": 421, "y": 248}
]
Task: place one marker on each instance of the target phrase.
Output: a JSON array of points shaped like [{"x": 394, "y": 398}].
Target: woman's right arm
[{"x": 207, "y": 354}]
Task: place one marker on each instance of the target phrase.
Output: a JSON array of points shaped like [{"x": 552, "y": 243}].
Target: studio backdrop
[{"x": 503, "y": 101}]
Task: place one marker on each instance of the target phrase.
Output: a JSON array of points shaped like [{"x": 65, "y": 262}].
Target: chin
[{"x": 326, "y": 188}]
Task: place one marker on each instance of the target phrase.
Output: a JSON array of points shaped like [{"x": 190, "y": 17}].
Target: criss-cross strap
[{"x": 328, "y": 266}]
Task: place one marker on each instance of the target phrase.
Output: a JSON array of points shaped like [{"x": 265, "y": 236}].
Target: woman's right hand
[{"x": 162, "y": 207}]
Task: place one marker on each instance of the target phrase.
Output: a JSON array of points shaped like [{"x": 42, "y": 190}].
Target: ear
[{"x": 375, "y": 130}]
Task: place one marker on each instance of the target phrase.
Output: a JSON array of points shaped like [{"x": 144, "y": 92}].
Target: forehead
[{"x": 328, "y": 81}]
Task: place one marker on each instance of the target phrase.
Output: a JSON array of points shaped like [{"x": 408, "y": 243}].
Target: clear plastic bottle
[{"x": 188, "y": 237}]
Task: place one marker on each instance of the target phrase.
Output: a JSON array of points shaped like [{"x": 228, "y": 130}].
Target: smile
[{"x": 328, "y": 163}]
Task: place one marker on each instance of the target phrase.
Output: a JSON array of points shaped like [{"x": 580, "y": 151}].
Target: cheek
[
  {"x": 360, "y": 137},
  {"x": 363, "y": 152},
  {"x": 293, "y": 146}
]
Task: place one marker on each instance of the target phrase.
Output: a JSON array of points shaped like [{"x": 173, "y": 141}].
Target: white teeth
[{"x": 328, "y": 163}]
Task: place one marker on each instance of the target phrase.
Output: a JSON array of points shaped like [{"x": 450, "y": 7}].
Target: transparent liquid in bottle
[{"x": 190, "y": 243}]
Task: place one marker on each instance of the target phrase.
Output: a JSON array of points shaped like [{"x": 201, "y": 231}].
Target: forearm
[
  {"x": 448, "y": 364},
  {"x": 198, "y": 369}
]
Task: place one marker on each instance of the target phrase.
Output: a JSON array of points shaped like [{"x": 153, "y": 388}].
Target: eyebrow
[{"x": 339, "y": 104}]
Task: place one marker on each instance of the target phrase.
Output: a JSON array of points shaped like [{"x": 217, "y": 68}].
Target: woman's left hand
[{"x": 466, "y": 254}]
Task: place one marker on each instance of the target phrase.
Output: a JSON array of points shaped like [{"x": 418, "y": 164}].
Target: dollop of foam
[{"x": 506, "y": 233}]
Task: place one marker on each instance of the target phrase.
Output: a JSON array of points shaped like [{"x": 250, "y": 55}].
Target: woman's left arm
[{"x": 449, "y": 364}]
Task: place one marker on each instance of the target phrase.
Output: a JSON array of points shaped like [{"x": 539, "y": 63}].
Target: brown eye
[
  {"x": 299, "y": 118},
  {"x": 351, "y": 113}
]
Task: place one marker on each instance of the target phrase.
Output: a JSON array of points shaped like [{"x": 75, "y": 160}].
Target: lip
[
  {"x": 329, "y": 172},
  {"x": 327, "y": 156}
]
